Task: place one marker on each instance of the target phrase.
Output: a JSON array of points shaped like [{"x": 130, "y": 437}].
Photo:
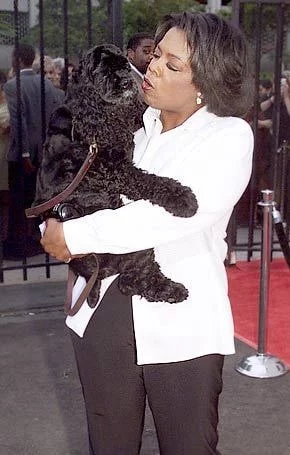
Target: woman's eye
[
  {"x": 155, "y": 55},
  {"x": 171, "y": 68}
]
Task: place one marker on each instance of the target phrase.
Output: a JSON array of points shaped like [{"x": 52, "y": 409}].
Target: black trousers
[{"x": 182, "y": 396}]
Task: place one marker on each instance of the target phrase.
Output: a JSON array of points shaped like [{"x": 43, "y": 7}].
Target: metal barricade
[
  {"x": 114, "y": 35},
  {"x": 263, "y": 365}
]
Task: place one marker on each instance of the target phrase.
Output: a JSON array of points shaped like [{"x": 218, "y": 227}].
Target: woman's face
[
  {"x": 49, "y": 71},
  {"x": 168, "y": 81}
]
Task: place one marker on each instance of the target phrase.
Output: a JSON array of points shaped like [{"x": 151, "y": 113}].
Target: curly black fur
[{"x": 102, "y": 103}]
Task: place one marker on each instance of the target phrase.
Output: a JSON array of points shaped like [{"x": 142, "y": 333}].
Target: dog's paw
[
  {"x": 180, "y": 201},
  {"x": 167, "y": 292}
]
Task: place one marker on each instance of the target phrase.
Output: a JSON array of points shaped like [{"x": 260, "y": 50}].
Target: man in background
[
  {"x": 25, "y": 147},
  {"x": 140, "y": 49},
  {"x": 265, "y": 89}
]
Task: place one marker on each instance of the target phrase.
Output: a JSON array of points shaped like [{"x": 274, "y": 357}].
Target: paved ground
[{"x": 41, "y": 404}]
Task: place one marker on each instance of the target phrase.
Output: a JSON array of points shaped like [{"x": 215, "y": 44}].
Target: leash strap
[
  {"x": 69, "y": 310},
  {"x": 37, "y": 210}
]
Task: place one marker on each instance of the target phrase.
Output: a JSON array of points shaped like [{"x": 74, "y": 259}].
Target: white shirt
[
  {"x": 213, "y": 156},
  {"x": 133, "y": 67}
]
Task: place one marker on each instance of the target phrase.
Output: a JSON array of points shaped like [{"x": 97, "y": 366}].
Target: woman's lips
[{"x": 146, "y": 85}]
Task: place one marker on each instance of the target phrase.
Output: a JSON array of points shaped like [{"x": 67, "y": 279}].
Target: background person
[
  {"x": 265, "y": 89},
  {"x": 267, "y": 107},
  {"x": 4, "y": 137},
  {"x": 51, "y": 74},
  {"x": 173, "y": 354},
  {"x": 58, "y": 66},
  {"x": 140, "y": 49},
  {"x": 24, "y": 158}
]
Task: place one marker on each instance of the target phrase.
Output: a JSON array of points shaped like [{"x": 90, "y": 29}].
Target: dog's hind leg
[
  {"x": 151, "y": 284},
  {"x": 94, "y": 294},
  {"x": 85, "y": 267}
]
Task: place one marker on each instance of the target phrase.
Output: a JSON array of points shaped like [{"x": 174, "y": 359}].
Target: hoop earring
[{"x": 198, "y": 98}]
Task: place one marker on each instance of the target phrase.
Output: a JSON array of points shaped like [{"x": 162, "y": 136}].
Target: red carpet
[{"x": 244, "y": 289}]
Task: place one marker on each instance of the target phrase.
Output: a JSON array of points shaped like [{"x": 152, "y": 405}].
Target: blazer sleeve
[
  {"x": 11, "y": 97},
  {"x": 218, "y": 179}
]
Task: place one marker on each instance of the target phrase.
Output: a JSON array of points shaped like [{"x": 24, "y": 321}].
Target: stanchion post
[
  {"x": 262, "y": 365},
  {"x": 266, "y": 204}
]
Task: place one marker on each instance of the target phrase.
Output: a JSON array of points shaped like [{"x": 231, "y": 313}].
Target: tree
[
  {"x": 143, "y": 16},
  {"x": 77, "y": 27},
  {"x": 268, "y": 25},
  {"x": 6, "y": 30}
]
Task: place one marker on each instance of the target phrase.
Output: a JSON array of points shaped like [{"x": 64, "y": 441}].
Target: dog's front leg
[{"x": 163, "y": 191}]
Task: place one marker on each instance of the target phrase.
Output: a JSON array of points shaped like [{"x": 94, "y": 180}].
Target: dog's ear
[
  {"x": 77, "y": 73},
  {"x": 104, "y": 52},
  {"x": 60, "y": 122},
  {"x": 93, "y": 59}
]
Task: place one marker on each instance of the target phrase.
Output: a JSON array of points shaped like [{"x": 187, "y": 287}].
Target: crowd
[{"x": 21, "y": 146}]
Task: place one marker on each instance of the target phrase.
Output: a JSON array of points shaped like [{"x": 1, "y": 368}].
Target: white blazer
[{"x": 213, "y": 156}]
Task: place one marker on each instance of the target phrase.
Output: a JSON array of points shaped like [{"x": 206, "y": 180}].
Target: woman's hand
[
  {"x": 53, "y": 241},
  {"x": 285, "y": 91}
]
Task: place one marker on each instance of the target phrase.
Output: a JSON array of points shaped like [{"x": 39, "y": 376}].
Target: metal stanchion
[{"x": 262, "y": 365}]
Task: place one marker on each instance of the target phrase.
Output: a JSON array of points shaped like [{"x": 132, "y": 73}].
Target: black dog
[{"x": 103, "y": 104}]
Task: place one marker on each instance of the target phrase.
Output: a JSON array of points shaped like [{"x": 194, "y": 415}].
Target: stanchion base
[{"x": 261, "y": 366}]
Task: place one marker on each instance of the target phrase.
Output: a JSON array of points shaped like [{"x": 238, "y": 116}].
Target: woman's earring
[{"x": 198, "y": 98}]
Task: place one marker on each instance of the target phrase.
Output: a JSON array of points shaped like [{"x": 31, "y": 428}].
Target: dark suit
[
  {"x": 22, "y": 185},
  {"x": 31, "y": 128}
]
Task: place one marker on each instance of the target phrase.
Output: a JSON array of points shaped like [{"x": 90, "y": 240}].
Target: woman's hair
[
  {"x": 219, "y": 61},
  {"x": 47, "y": 60}
]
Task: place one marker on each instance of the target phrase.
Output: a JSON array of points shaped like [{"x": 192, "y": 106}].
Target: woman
[
  {"x": 196, "y": 85},
  {"x": 4, "y": 139}
]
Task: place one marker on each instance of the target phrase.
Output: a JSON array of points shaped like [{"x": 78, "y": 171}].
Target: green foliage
[
  {"x": 143, "y": 16},
  {"x": 138, "y": 15},
  {"x": 268, "y": 24},
  {"x": 225, "y": 12},
  {"x": 77, "y": 27},
  {"x": 6, "y": 29}
]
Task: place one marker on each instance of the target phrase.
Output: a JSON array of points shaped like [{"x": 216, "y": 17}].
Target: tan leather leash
[{"x": 37, "y": 210}]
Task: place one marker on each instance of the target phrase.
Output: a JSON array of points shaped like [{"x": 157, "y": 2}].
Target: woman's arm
[
  {"x": 265, "y": 105},
  {"x": 286, "y": 96},
  {"x": 218, "y": 178},
  {"x": 267, "y": 124}
]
